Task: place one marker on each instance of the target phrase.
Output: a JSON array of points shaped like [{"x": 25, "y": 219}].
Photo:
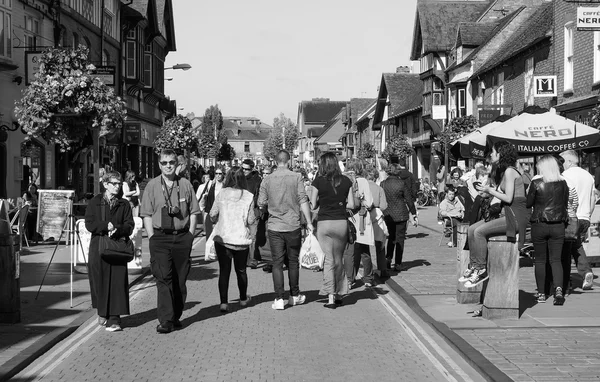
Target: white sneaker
[
  {"x": 297, "y": 300},
  {"x": 278, "y": 304},
  {"x": 588, "y": 281},
  {"x": 450, "y": 244}
]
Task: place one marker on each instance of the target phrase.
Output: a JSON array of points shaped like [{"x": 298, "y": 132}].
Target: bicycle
[{"x": 427, "y": 198}]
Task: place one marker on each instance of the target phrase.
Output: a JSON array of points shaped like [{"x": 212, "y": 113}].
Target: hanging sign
[{"x": 32, "y": 65}]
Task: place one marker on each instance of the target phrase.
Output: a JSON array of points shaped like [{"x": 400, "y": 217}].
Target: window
[
  {"x": 108, "y": 24},
  {"x": 148, "y": 65},
  {"x": 32, "y": 30},
  {"x": 529, "y": 85},
  {"x": 5, "y": 29},
  {"x": 438, "y": 92},
  {"x": 75, "y": 40},
  {"x": 569, "y": 31},
  {"x": 246, "y": 147},
  {"x": 416, "y": 128},
  {"x": 105, "y": 58},
  {"x": 480, "y": 93},
  {"x": 462, "y": 102},
  {"x": 404, "y": 125},
  {"x": 596, "y": 56},
  {"x": 88, "y": 10},
  {"x": 131, "y": 54}
]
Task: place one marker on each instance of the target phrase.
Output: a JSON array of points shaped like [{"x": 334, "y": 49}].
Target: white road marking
[{"x": 457, "y": 369}]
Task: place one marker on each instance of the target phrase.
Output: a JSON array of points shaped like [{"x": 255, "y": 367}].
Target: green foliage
[
  {"x": 366, "y": 151},
  {"x": 397, "y": 146},
  {"x": 66, "y": 86},
  {"x": 176, "y": 133},
  {"x": 291, "y": 135},
  {"x": 595, "y": 120},
  {"x": 211, "y": 135},
  {"x": 457, "y": 128},
  {"x": 273, "y": 143}
]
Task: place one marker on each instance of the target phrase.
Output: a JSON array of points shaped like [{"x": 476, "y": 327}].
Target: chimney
[{"x": 403, "y": 69}]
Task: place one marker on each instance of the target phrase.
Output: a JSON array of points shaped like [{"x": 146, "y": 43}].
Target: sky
[{"x": 260, "y": 58}]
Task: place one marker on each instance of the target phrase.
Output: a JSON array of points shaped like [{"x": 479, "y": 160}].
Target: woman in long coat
[{"x": 108, "y": 214}]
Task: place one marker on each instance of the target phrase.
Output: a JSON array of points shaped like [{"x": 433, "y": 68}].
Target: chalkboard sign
[{"x": 54, "y": 207}]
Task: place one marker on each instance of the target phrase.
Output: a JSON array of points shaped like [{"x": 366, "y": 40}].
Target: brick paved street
[
  {"x": 359, "y": 341},
  {"x": 547, "y": 343}
]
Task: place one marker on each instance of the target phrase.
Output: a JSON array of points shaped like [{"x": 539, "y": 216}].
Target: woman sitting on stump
[{"x": 511, "y": 193}]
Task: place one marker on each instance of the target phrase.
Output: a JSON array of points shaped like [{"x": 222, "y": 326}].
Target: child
[{"x": 451, "y": 208}]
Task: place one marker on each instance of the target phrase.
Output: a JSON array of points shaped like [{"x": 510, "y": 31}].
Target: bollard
[
  {"x": 10, "y": 292},
  {"x": 464, "y": 295},
  {"x": 501, "y": 298}
]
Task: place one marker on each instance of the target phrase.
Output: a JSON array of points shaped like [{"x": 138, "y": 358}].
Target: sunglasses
[
  {"x": 114, "y": 183},
  {"x": 171, "y": 162},
  {"x": 246, "y": 169},
  {"x": 218, "y": 173}
]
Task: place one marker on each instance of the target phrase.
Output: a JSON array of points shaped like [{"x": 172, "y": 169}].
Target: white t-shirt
[{"x": 583, "y": 182}]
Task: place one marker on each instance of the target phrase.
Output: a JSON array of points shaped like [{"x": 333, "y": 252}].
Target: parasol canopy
[{"x": 545, "y": 133}]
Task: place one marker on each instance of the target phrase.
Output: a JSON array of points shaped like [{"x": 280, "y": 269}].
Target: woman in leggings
[
  {"x": 334, "y": 194},
  {"x": 511, "y": 192}
]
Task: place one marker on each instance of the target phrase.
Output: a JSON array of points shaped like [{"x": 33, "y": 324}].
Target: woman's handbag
[
  {"x": 116, "y": 251},
  {"x": 351, "y": 228},
  {"x": 571, "y": 229}
]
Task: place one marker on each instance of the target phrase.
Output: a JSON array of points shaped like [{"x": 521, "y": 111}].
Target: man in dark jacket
[
  {"x": 252, "y": 185},
  {"x": 400, "y": 202},
  {"x": 408, "y": 177}
]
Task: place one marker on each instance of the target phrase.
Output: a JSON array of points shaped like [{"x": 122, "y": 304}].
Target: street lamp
[{"x": 180, "y": 66}]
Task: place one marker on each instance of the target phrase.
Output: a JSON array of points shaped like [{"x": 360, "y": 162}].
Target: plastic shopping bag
[
  {"x": 210, "y": 253},
  {"x": 311, "y": 254}
]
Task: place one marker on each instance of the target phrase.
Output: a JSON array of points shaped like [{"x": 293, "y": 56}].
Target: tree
[
  {"x": 66, "y": 99},
  {"x": 210, "y": 136},
  {"x": 291, "y": 135},
  {"x": 397, "y": 146},
  {"x": 366, "y": 151},
  {"x": 457, "y": 128},
  {"x": 273, "y": 143},
  {"x": 177, "y": 134}
]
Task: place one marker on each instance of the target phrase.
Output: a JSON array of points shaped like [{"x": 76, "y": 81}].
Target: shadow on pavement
[
  {"x": 526, "y": 300},
  {"x": 406, "y": 265},
  {"x": 139, "y": 319},
  {"x": 418, "y": 235},
  {"x": 58, "y": 274}
]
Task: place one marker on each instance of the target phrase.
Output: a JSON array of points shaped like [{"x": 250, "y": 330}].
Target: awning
[
  {"x": 435, "y": 126},
  {"x": 578, "y": 102}
]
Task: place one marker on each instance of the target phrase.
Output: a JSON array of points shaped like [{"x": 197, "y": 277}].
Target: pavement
[{"x": 409, "y": 328}]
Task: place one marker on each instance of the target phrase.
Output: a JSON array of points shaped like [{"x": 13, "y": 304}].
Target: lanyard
[{"x": 168, "y": 194}]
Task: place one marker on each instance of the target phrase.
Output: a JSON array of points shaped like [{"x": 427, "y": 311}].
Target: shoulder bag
[
  {"x": 571, "y": 229},
  {"x": 351, "y": 227},
  {"x": 115, "y": 251}
]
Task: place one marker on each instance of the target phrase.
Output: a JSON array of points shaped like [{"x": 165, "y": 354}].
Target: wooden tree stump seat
[{"x": 501, "y": 296}]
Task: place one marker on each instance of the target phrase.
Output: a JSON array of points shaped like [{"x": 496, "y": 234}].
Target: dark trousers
[
  {"x": 577, "y": 251},
  {"x": 397, "y": 231},
  {"x": 548, "y": 242},
  {"x": 285, "y": 244},
  {"x": 224, "y": 256},
  {"x": 170, "y": 265},
  {"x": 362, "y": 253}
]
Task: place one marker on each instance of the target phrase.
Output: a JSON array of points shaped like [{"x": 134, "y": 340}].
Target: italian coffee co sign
[{"x": 588, "y": 18}]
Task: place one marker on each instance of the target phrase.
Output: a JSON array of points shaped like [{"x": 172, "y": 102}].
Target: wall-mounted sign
[
  {"x": 32, "y": 65},
  {"x": 132, "y": 134},
  {"x": 106, "y": 74},
  {"x": 545, "y": 86},
  {"x": 588, "y": 18},
  {"x": 488, "y": 115}
]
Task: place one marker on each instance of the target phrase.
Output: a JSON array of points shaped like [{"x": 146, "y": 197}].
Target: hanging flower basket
[
  {"x": 66, "y": 99},
  {"x": 177, "y": 133}
]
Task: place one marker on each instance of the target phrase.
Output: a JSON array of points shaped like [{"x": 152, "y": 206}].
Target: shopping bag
[
  {"x": 311, "y": 254},
  {"x": 210, "y": 253}
]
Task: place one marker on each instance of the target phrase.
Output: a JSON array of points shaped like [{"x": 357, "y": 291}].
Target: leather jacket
[{"x": 549, "y": 201}]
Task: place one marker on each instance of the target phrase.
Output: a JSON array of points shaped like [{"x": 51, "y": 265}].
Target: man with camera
[{"x": 169, "y": 209}]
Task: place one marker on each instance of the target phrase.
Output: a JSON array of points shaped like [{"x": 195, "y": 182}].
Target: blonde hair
[{"x": 547, "y": 167}]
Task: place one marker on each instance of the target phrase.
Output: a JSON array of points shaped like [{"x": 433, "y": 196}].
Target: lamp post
[{"x": 179, "y": 66}]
